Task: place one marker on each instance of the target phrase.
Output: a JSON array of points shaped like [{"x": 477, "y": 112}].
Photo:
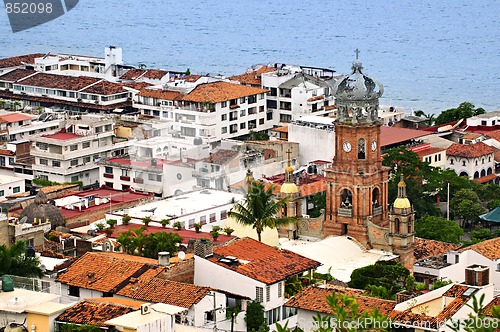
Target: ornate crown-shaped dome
[
  {"x": 357, "y": 97},
  {"x": 357, "y": 86}
]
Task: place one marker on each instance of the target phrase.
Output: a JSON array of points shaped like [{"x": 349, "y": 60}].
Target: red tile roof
[
  {"x": 314, "y": 299},
  {"x": 494, "y": 134},
  {"x": 155, "y": 73},
  {"x": 16, "y": 74},
  {"x": 429, "y": 151},
  {"x": 136, "y": 163},
  {"x": 105, "y": 88},
  {"x": 221, "y": 156},
  {"x": 262, "y": 262},
  {"x": 456, "y": 292},
  {"x": 51, "y": 81},
  {"x": 7, "y": 152},
  {"x": 494, "y": 303},
  {"x": 217, "y": 92},
  {"x": 136, "y": 85},
  {"x": 152, "y": 287},
  {"x": 62, "y": 136},
  {"x": 424, "y": 248},
  {"x": 19, "y": 60},
  {"x": 98, "y": 311},
  {"x": 15, "y": 117},
  {"x": 105, "y": 272},
  {"x": 161, "y": 94},
  {"x": 469, "y": 150},
  {"x": 283, "y": 129},
  {"x": 253, "y": 77},
  {"x": 133, "y": 74},
  {"x": 393, "y": 135},
  {"x": 190, "y": 78},
  {"x": 489, "y": 248}
]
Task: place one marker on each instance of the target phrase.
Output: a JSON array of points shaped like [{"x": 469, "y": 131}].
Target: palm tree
[
  {"x": 259, "y": 209},
  {"x": 14, "y": 261},
  {"x": 16, "y": 104}
]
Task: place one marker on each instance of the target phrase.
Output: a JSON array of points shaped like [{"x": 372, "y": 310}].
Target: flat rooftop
[
  {"x": 184, "y": 204},
  {"x": 339, "y": 255}
]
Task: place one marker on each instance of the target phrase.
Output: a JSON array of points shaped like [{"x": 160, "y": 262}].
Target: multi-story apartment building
[
  {"x": 297, "y": 91},
  {"x": 70, "y": 154},
  {"x": 17, "y": 126}
]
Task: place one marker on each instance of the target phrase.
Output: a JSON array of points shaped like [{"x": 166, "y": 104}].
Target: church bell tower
[{"x": 357, "y": 184}]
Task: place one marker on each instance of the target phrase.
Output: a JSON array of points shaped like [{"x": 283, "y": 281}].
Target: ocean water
[{"x": 429, "y": 55}]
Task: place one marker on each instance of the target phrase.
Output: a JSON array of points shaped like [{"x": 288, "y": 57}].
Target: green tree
[
  {"x": 319, "y": 202},
  {"x": 347, "y": 316},
  {"x": 14, "y": 261},
  {"x": 466, "y": 204},
  {"x": 429, "y": 118},
  {"x": 72, "y": 327},
  {"x": 255, "y": 317},
  {"x": 386, "y": 274},
  {"x": 437, "y": 228},
  {"x": 259, "y": 136},
  {"x": 161, "y": 241},
  {"x": 259, "y": 209},
  {"x": 422, "y": 180},
  {"x": 16, "y": 104},
  {"x": 3, "y": 103},
  {"x": 463, "y": 111}
]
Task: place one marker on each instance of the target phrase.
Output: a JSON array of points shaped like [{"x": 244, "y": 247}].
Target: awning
[
  {"x": 486, "y": 178},
  {"x": 492, "y": 216}
]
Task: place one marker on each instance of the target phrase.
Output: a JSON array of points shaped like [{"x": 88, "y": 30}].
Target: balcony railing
[
  {"x": 125, "y": 178},
  {"x": 138, "y": 180},
  {"x": 343, "y": 212},
  {"x": 377, "y": 211},
  {"x": 107, "y": 175}
]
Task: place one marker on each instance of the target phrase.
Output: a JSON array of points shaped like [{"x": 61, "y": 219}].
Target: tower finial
[
  {"x": 289, "y": 152},
  {"x": 357, "y": 53}
]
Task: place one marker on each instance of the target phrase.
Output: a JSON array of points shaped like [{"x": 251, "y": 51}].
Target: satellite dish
[
  {"x": 43, "y": 268},
  {"x": 23, "y": 220},
  {"x": 181, "y": 255}
]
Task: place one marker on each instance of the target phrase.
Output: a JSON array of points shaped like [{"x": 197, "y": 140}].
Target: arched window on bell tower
[
  {"x": 361, "y": 148},
  {"x": 346, "y": 197},
  {"x": 410, "y": 228},
  {"x": 375, "y": 197},
  {"x": 397, "y": 224}
]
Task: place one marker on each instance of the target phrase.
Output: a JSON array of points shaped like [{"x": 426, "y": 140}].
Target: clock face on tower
[
  {"x": 374, "y": 145},
  {"x": 347, "y": 146}
]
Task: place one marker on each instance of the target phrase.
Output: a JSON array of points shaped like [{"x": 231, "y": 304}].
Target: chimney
[
  {"x": 164, "y": 258},
  {"x": 203, "y": 248},
  {"x": 477, "y": 275}
]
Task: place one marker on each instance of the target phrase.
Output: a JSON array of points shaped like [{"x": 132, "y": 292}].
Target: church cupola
[
  {"x": 289, "y": 186},
  {"x": 357, "y": 96},
  {"x": 402, "y": 202}
]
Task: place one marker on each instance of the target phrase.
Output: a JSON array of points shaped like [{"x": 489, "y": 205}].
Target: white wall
[{"x": 315, "y": 144}]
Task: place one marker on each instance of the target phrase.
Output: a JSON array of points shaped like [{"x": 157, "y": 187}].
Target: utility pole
[{"x": 448, "y": 201}]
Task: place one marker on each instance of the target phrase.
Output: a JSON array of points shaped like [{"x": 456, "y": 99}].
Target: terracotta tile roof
[
  {"x": 315, "y": 98},
  {"x": 469, "y": 150},
  {"x": 314, "y": 299},
  {"x": 104, "y": 272},
  {"x": 98, "y": 311},
  {"x": 456, "y": 292},
  {"x": 494, "y": 134},
  {"x": 105, "y": 88},
  {"x": 217, "y": 92},
  {"x": 191, "y": 78},
  {"x": 155, "y": 73},
  {"x": 51, "y": 81},
  {"x": 62, "y": 136},
  {"x": 486, "y": 178},
  {"x": 429, "y": 151},
  {"x": 496, "y": 155},
  {"x": 393, "y": 135},
  {"x": 220, "y": 157},
  {"x": 136, "y": 85},
  {"x": 489, "y": 248},
  {"x": 425, "y": 248},
  {"x": 132, "y": 74},
  {"x": 262, "y": 262},
  {"x": 7, "y": 152},
  {"x": 152, "y": 287},
  {"x": 19, "y": 60},
  {"x": 494, "y": 303},
  {"x": 16, "y": 74},
  {"x": 254, "y": 77},
  {"x": 161, "y": 94},
  {"x": 15, "y": 117},
  {"x": 283, "y": 129},
  {"x": 471, "y": 135}
]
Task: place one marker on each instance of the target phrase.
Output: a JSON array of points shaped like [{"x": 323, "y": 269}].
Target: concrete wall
[{"x": 315, "y": 144}]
